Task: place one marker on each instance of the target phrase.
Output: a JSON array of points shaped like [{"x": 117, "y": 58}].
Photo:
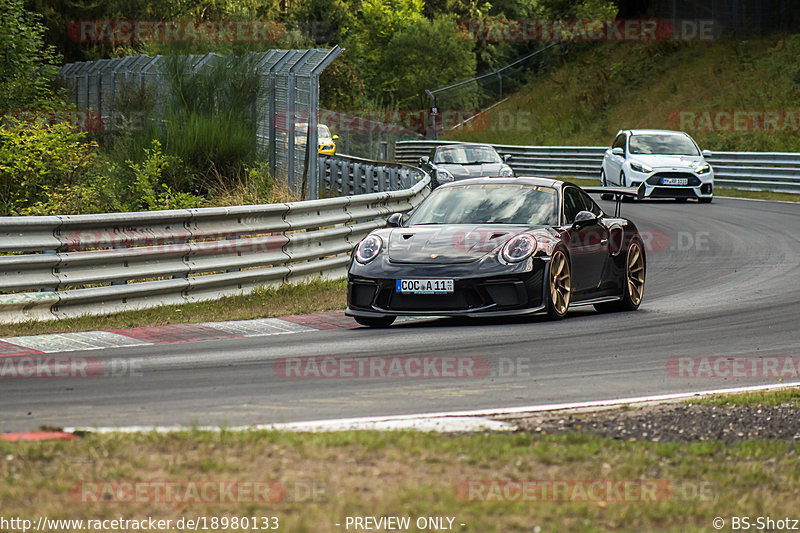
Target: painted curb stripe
[
  {"x": 8, "y": 349},
  {"x": 173, "y": 333},
  {"x": 37, "y": 435}
]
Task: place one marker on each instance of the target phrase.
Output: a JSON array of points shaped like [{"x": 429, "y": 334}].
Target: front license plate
[
  {"x": 425, "y": 286},
  {"x": 675, "y": 181}
]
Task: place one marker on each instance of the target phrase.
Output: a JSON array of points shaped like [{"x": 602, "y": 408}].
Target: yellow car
[{"x": 327, "y": 146}]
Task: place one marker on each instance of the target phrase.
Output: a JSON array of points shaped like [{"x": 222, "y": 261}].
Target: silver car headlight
[
  {"x": 443, "y": 175},
  {"x": 506, "y": 172},
  {"x": 639, "y": 167},
  {"x": 368, "y": 249},
  {"x": 702, "y": 169},
  {"x": 519, "y": 248}
]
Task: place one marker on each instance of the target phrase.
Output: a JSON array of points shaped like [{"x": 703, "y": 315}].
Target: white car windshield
[
  {"x": 465, "y": 155},
  {"x": 489, "y": 204},
  {"x": 662, "y": 145}
]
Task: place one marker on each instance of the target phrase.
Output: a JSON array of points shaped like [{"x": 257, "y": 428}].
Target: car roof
[
  {"x": 458, "y": 145},
  {"x": 524, "y": 180},
  {"x": 659, "y": 132}
]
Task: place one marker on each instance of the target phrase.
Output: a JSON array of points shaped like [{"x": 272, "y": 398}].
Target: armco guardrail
[
  {"x": 770, "y": 171},
  {"x": 63, "y": 266},
  {"x": 346, "y": 174}
]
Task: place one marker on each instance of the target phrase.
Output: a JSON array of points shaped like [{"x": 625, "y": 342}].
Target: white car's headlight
[
  {"x": 443, "y": 175},
  {"x": 368, "y": 249},
  {"x": 702, "y": 169},
  {"x": 519, "y": 248},
  {"x": 639, "y": 167},
  {"x": 506, "y": 171}
]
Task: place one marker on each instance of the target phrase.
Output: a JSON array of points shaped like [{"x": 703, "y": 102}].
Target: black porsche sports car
[{"x": 496, "y": 247}]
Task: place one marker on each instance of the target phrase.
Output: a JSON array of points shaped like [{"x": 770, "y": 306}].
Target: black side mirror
[
  {"x": 507, "y": 158},
  {"x": 424, "y": 159},
  {"x": 583, "y": 218},
  {"x": 395, "y": 220}
]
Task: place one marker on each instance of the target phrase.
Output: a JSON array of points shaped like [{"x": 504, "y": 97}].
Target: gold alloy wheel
[
  {"x": 560, "y": 283},
  {"x": 635, "y": 274}
]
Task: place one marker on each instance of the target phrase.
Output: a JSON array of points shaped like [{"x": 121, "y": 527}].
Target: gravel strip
[{"x": 676, "y": 423}]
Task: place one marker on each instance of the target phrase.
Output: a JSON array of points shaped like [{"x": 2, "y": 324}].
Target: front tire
[
  {"x": 632, "y": 284},
  {"x": 705, "y": 200},
  {"x": 604, "y": 183},
  {"x": 375, "y": 322},
  {"x": 559, "y": 284}
]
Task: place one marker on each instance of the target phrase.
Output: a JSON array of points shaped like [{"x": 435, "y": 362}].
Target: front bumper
[
  {"x": 697, "y": 185},
  {"x": 497, "y": 295}
]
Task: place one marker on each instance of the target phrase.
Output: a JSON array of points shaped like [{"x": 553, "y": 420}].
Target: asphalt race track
[{"x": 722, "y": 280}]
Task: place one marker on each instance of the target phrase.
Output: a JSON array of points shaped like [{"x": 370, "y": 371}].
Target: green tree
[
  {"x": 375, "y": 25},
  {"x": 27, "y": 68},
  {"x": 423, "y": 55}
]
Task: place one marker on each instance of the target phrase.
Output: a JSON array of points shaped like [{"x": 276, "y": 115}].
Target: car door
[
  {"x": 588, "y": 244},
  {"x": 614, "y": 162}
]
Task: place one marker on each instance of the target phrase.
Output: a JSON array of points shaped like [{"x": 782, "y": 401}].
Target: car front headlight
[
  {"x": 506, "y": 172},
  {"x": 702, "y": 169},
  {"x": 639, "y": 167},
  {"x": 519, "y": 248},
  {"x": 368, "y": 249},
  {"x": 443, "y": 175}
]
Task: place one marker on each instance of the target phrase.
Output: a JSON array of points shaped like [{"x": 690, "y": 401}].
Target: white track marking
[{"x": 475, "y": 420}]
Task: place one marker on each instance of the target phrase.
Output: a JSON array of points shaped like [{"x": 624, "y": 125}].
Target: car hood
[
  {"x": 447, "y": 243},
  {"x": 667, "y": 161},
  {"x": 473, "y": 171}
]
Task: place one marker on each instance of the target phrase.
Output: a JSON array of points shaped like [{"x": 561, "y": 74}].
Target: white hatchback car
[{"x": 668, "y": 162}]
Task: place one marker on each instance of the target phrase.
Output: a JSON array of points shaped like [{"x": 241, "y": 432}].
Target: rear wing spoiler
[{"x": 619, "y": 193}]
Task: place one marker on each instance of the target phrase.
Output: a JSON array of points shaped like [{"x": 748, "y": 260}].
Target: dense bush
[{"x": 36, "y": 158}]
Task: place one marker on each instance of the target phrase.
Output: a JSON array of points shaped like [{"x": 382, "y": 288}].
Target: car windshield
[
  {"x": 489, "y": 204},
  {"x": 465, "y": 155},
  {"x": 322, "y": 130},
  {"x": 662, "y": 145}
]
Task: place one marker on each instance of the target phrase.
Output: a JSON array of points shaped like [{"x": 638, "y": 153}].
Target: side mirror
[
  {"x": 395, "y": 220},
  {"x": 618, "y": 151},
  {"x": 706, "y": 153},
  {"x": 335, "y": 137},
  {"x": 507, "y": 158},
  {"x": 424, "y": 159},
  {"x": 583, "y": 218}
]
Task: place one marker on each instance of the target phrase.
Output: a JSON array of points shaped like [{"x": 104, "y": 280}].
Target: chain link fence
[
  {"x": 141, "y": 91},
  {"x": 451, "y": 104}
]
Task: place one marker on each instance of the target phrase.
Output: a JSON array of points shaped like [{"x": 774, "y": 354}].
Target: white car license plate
[
  {"x": 425, "y": 286},
  {"x": 675, "y": 181}
]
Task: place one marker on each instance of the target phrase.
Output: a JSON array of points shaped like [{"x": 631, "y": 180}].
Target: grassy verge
[
  {"x": 759, "y": 398},
  {"x": 611, "y": 86},
  {"x": 269, "y": 302},
  {"x": 327, "y": 477}
]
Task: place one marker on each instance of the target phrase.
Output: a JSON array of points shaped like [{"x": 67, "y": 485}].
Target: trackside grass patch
[{"x": 506, "y": 482}]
